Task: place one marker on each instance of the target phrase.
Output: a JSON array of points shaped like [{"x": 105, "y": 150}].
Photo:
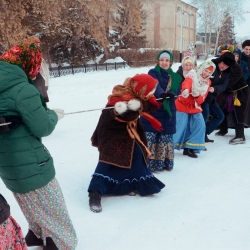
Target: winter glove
[
  {"x": 185, "y": 93},
  {"x": 195, "y": 93},
  {"x": 120, "y": 107},
  {"x": 170, "y": 96},
  {"x": 134, "y": 104},
  {"x": 163, "y": 96},
  {"x": 60, "y": 113}
]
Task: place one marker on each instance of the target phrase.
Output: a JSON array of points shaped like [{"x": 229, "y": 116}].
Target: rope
[
  {"x": 3, "y": 124},
  {"x": 88, "y": 110}
]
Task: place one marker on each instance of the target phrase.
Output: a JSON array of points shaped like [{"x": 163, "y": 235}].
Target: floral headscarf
[{"x": 27, "y": 55}]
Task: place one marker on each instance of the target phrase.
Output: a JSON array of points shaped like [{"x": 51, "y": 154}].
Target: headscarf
[
  {"x": 174, "y": 80},
  {"x": 199, "y": 83},
  {"x": 187, "y": 59},
  {"x": 28, "y": 56},
  {"x": 141, "y": 87}
]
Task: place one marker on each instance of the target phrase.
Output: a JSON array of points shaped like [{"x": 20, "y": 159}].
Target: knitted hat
[
  {"x": 245, "y": 43},
  {"x": 227, "y": 58},
  {"x": 165, "y": 51},
  {"x": 27, "y": 55},
  {"x": 164, "y": 55},
  {"x": 227, "y": 47}
]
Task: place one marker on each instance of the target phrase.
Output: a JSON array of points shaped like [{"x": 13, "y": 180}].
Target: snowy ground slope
[{"x": 204, "y": 206}]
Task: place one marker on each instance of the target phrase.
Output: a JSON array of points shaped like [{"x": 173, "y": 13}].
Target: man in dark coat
[
  {"x": 237, "y": 90},
  {"x": 219, "y": 83}
]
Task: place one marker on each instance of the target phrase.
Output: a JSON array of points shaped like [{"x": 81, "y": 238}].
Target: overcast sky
[{"x": 241, "y": 29}]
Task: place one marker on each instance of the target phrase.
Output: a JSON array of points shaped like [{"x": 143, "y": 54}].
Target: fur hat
[
  {"x": 245, "y": 43},
  {"x": 227, "y": 58}
]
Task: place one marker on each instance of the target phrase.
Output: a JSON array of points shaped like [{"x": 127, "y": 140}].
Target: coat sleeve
[
  {"x": 245, "y": 70},
  {"x": 39, "y": 121},
  {"x": 186, "y": 84},
  {"x": 235, "y": 75},
  {"x": 223, "y": 86}
]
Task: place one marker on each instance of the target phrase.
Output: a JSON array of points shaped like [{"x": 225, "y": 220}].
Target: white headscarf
[{"x": 200, "y": 84}]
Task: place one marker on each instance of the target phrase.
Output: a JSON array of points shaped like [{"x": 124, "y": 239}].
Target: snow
[
  {"x": 204, "y": 206},
  {"x": 117, "y": 59}
]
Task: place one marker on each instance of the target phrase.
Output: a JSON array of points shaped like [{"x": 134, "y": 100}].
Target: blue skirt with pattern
[
  {"x": 161, "y": 147},
  {"x": 111, "y": 180}
]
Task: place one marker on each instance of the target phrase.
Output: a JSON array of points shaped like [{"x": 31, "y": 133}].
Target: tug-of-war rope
[
  {"x": 83, "y": 111},
  {"x": 89, "y": 110}
]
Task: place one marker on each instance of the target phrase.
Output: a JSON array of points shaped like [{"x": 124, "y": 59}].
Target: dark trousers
[
  {"x": 217, "y": 116},
  {"x": 239, "y": 128}
]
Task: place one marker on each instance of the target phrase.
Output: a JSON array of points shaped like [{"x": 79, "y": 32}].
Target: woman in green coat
[{"x": 26, "y": 166}]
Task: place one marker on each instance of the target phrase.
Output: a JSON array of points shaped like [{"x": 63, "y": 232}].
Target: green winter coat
[{"x": 25, "y": 163}]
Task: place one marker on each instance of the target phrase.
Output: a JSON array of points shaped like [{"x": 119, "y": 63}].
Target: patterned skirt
[
  {"x": 47, "y": 215},
  {"x": 111, "y": 180},
  {"x": 190, "y": 131},
  {"x": 11, "y": 236},
  {"x": 161, "y": 147}
]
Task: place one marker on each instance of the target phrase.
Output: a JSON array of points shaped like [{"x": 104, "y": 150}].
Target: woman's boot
[
  {"x": 32, "y": 240},
  {"x": 190, "y": 152},
  {"x": 95, "y": 201}
]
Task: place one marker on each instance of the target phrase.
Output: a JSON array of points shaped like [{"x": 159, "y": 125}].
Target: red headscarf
[
  {"x": 28, "y": 55},
  {"x": 140, "y": 87}
]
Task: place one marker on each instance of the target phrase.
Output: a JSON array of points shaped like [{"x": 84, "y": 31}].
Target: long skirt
[
  {"x": 111, "y": 180},
  {"x": 161, "y": 147},
  {"x": 47, "y": 215},
  {"x": 190, "y": 131},
  {"x": 11, "y": 236}
]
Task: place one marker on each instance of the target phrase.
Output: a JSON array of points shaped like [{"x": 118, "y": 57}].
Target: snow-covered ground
[{"x": 204, "y": 206}]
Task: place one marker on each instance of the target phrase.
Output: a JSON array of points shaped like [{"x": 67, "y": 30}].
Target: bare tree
[{"x": 213, "y": 15}]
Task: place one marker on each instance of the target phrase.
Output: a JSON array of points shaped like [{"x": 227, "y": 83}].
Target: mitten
[
  {"x": 134, "y": 104},
  {"x": 163, "y": 96},
  {"x": 185, "y": 93},
  {"x": 120, "y": 107},
  {"x": 170, "y": 95},
  {"x": 60, "y": 113},
  {"x": 195, "y": 93}
]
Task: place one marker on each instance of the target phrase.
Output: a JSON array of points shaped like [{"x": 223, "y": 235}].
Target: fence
[{"x": 66, "y": 70}]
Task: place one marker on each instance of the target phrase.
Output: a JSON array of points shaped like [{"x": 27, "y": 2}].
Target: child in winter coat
[
  {"x": 161, "y": 142},
  {"x": 26, "y": 166},
  {"x": 11, "y": 235},
  {"x": 122, "y": 145},
  {"x": 190, "y": 125}
]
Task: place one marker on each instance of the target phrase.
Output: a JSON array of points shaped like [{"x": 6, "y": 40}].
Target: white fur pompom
[
  {"x": 134, "y": 104},
  {"x": 120, "y": 107}
]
